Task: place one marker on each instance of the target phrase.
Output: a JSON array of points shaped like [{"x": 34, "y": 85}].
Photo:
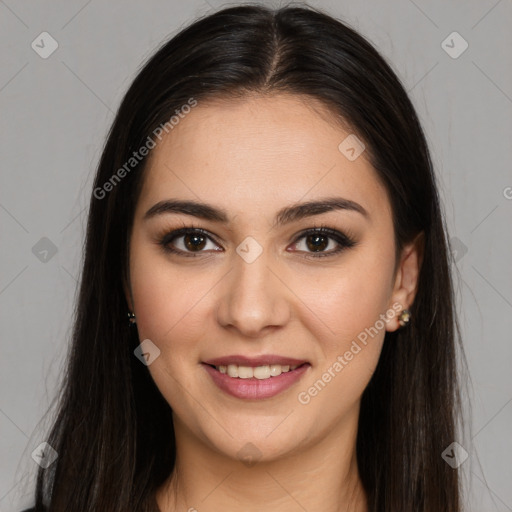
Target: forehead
[{"x": 259, "y": 150}]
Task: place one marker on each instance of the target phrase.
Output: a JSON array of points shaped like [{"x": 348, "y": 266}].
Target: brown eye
[
  {"x": 193, "y": 241},
  {"x": 187, "y": 241},
  {"x": 317, "y": 242}
]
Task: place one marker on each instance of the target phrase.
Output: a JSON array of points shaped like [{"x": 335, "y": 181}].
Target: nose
[{"x": 254, "y": 299}]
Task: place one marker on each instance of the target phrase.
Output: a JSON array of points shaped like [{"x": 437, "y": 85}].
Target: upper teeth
[{"x": 259, "y": 372}]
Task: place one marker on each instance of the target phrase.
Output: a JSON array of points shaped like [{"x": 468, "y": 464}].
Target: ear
[{"x": 406, "y": 279}]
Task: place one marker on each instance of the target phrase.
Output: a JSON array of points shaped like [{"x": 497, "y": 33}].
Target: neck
[{"x": 320, "y": 476}]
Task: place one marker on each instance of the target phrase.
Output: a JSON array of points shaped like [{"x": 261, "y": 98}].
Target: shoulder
[{"x": 29, "y": 510}]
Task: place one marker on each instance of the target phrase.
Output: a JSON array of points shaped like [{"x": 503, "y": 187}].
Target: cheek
[
  {"x": 167, "y": 300},
  {"x": 352, "y": 310},
  {"x": 170, "y": 308},
  {"x": 349, "y": 301},
  {"x": 350, "y": 297}
]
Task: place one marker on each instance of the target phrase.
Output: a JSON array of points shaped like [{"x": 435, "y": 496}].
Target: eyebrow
[{"x": 286, "y": 215}]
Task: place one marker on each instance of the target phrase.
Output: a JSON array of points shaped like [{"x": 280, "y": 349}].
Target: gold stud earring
[
  {"x": 404, "y": 318},
  {"x": 131, "y": 318}
]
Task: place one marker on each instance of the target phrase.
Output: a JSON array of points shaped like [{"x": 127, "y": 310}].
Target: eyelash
[{"x": 344, "y": 241}]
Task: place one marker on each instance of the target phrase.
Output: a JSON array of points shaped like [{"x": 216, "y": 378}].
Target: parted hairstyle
[{"x": 113, "y": 429}]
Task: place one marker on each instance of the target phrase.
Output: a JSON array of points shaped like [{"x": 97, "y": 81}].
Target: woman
[{"x": 265, "y": 212}]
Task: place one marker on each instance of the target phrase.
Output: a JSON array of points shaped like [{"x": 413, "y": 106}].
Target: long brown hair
[{"x": 113, "y": 430}]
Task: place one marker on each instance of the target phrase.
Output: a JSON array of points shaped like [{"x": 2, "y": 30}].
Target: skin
[{"x": 253, "y": 157}]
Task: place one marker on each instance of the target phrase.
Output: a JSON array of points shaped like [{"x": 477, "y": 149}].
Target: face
[{"x": 260, "y": 285}]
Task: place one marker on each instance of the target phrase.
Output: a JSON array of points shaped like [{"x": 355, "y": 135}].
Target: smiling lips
[
  {"x": 262, "y": 367},
  {"x": 261, "y": 377},
  {"x": 259, "y": 372}
]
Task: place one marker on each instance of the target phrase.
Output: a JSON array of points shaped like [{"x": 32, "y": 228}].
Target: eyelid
[
  {"x": 344, "y": 239},
  {"x": 168, "y": 236},
  {"x": 326, "y": 230}
]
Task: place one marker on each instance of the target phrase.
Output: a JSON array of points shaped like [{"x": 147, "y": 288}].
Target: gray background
[{"x": 55, "y": 113}]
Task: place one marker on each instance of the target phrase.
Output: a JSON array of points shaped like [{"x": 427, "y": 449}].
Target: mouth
[
  {"x": 257, "y": 378},
  {"x": 262, "y": 372}
]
